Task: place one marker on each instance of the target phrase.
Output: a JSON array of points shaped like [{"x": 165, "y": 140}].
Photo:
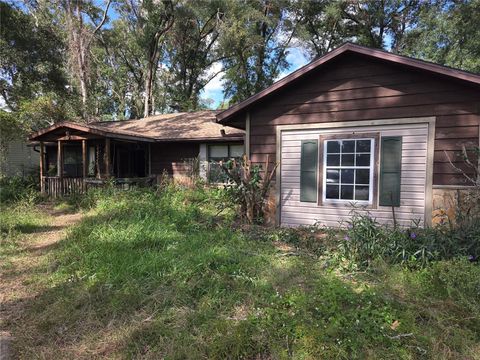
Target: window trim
[{"x": 374, "y": 171}]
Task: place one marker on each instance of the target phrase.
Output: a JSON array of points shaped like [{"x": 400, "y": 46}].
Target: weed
[{"x": 160, "y": 274}]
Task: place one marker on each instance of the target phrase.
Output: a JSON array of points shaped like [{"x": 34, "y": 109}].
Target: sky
[{"x": 214, "y": 89}]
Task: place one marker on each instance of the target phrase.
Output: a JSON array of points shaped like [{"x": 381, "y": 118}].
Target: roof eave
[
  {"x": 88, "y": 129},
  {"x": 202, "y": 139}
]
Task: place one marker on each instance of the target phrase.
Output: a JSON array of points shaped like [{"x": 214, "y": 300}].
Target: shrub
[
  {"x": 249, "y": 187},
  {"x": 365, "y": 240},
  {"x": 14, "y": 189}
]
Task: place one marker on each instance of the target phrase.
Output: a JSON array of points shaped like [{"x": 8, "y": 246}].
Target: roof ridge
[{"x": 152, "y": 116}]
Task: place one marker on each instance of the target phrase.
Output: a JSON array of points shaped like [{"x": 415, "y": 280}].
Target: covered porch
[{"x": 75, "y": 157}]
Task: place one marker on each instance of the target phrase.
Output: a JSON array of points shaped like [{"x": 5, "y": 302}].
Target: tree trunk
[{"x": 148, "y": 92}]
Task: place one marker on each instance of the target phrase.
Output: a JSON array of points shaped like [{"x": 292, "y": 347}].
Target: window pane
[
  {"x": 363, "y": 145},
  {"x": 236, "y": 151},
  {"x": 361, "y": 192},
  {"x": 351, "y": 169},
  {"x": 346, "y": 192},
  {"x": 347, "y": 176},
  {"x": 348, "y": 159},
  {"x": 332, "y": 192},
  {"x": 333, "y": 176},
  {"x": 362, "y": 176},
  {"x": 333, "y": 160},
  {"x": 362, "y": 160},
  {"x": 333, "y": 146},
  {"x": 348, "y": 146},
  {"x": 218, "y": 151}
]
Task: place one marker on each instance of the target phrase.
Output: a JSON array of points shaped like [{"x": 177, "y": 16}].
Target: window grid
[{"x": 350, "y": 167}]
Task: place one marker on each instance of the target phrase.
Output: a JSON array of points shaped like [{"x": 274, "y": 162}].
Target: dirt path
[{"x": 15, "y": 288}]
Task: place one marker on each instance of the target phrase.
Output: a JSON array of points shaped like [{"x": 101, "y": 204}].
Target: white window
[{"x": 348, "y": 170}]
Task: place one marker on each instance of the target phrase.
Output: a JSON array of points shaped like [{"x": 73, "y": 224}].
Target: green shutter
[
  {"x": 390, "y": 170},
  {"x": 308, "y": 171}
]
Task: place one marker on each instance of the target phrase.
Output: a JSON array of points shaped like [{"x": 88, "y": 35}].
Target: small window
[
  {"x": 217, "y": 153},
  {"x": 348, "y": 170}
]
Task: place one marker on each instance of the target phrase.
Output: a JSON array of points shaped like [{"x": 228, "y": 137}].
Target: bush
[
  {"x": 365, "y": 240},
  {"x": 249, "y": 186},
  {"x": 14, "y": 189}
]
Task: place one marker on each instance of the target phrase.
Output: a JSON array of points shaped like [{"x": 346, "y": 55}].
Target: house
[
  {"x": 365, "y": 128},
  {"x": 74, "y": 156},
  {"x": 20, "y": 159}
]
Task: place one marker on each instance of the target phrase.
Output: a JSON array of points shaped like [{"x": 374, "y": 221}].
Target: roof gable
[{"x": 421, "y": 65}]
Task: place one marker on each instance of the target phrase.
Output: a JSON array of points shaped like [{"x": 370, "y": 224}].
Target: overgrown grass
[
  {"x": 18, "y": 221},
  {"x": 162, "y": 275}
]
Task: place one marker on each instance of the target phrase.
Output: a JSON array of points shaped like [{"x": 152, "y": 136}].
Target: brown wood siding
[
  {"x": 172, "y": 158},
  {"x": 355, "y": 88}
]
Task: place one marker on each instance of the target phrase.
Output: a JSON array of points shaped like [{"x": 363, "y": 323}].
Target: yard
[{"x": 143, "y": 274}]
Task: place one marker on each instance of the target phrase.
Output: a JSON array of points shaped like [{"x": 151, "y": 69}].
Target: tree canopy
[{"x": 121, "y": 59}]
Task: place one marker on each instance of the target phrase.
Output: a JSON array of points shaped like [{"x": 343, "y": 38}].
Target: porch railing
[{"x": 55, "y": 186}]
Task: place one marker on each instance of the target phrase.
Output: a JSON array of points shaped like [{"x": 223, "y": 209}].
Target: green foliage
[
  {"x": 248, "y": 187},
  {"x": 447, "y": 33},
  {"x": 31, "y": 57},
  {"x": 192, "y": 48},
  {"x": 365, "y": 241},
  {"x": 19, "y": 189},
  {"x": 324, "y": 25},
  {"x": 178, "y": 47},
  {"x": 18, "y": 220},
  {"x": 254, "y": 41},
  {"x": 152, "y": 274}
]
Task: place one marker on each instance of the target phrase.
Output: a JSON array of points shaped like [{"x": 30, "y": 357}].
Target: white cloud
[
  {"x": 296, "y": 58},
  {"x": 214, "y": 89}
]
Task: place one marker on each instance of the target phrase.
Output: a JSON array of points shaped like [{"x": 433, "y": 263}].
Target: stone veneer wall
[{"x": 447, "y": 203}]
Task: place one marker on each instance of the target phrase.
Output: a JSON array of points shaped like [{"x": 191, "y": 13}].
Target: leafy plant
[
  {"x": 248, "y": 187},
  {"x": 364, "y": 240},
  {"x": 16, "y": 189}
]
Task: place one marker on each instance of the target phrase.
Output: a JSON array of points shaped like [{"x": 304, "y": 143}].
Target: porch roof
[{"x": 187, "y": 126}]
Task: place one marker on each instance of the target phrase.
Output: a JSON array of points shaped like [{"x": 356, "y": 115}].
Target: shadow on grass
[{"x": 158, "y": 280}]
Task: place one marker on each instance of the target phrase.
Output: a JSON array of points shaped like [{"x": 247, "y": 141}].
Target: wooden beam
[
  {"x": 60, "y": 166},
  {"x": 107, "y": 157},
  {"x": 73, "y": 138},
  {"x": 84, "y": 158},
  {"x": 59, "y": 159},
  {"x": 42, "y": 159}
]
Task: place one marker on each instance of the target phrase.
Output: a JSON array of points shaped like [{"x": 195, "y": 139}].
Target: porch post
[
  {"x": 84, "y": 158},
  {"x": 107, "y": 156},
  {"x": 42, "y": 179},
  {"x": 59, "y": 159},
  {"x": 60, "y": 166}
]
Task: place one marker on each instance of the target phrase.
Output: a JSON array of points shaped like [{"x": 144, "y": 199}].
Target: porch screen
[{"x": 72, "y": 163}]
